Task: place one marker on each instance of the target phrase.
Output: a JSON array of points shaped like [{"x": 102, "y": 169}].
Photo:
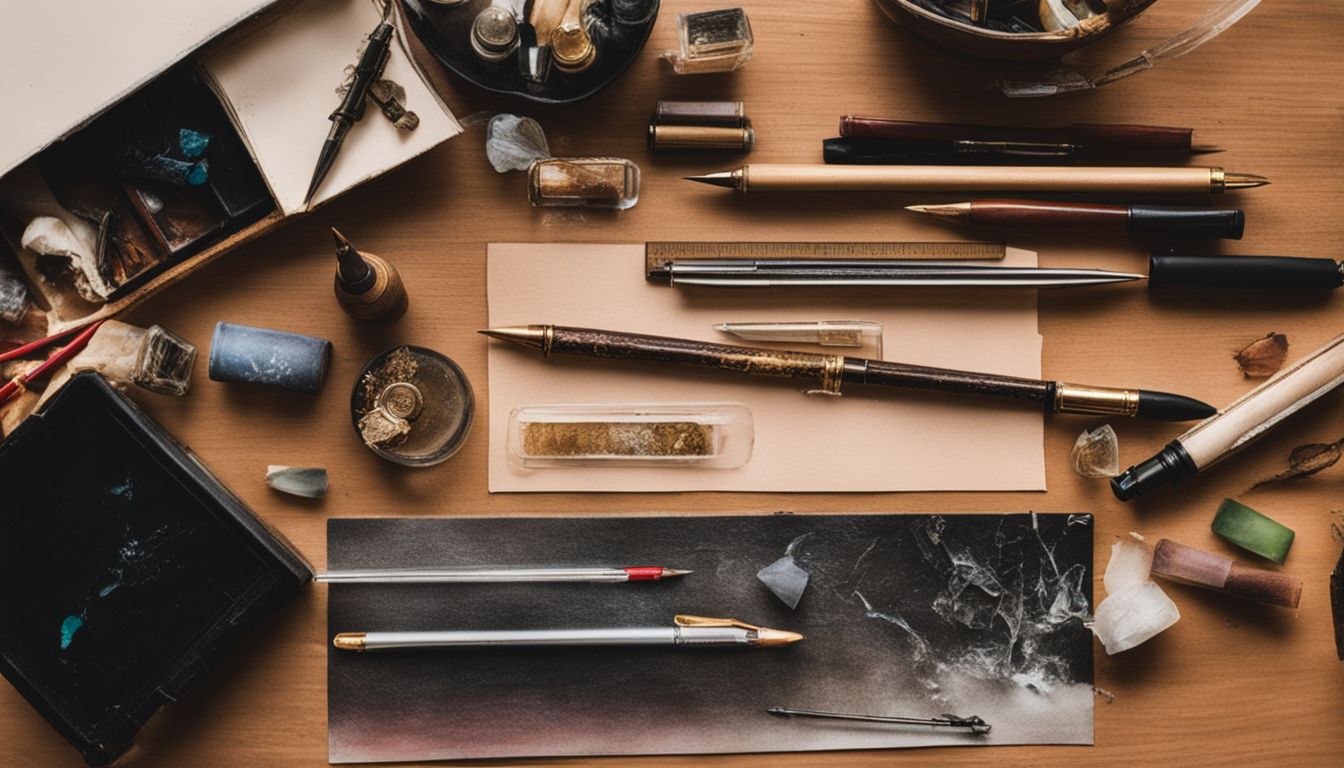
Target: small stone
[
  {"x": 1135, "y": 609},
  {"x": 1263, "y": 357},
  {"x": 785, "y": 579},
  {"x": 308, "y": 482},
  {"x": 1096, "y": 453},
  {"x": 191, "y": 143}
]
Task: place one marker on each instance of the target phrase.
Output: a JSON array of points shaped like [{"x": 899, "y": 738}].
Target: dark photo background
[{"x": 911, "y": 615}]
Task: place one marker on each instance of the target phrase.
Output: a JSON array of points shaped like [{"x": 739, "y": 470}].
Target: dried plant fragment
[
  {"x": 1263, "y": 357},
  {"x": 1096, "y": 453},
  {"x": 1307, "y": 460}
]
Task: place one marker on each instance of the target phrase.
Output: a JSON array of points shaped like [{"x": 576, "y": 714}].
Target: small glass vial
[
  {"x": 588, "y": 182},
  {"x": 151, "y": 358},
  {"x": 858, "y": 334},
  {"x": 706, "y": 435},
  {"x": 711, "y": 41}
]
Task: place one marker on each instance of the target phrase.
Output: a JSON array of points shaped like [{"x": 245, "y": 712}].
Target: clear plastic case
[{"x": 706, "y": 435}]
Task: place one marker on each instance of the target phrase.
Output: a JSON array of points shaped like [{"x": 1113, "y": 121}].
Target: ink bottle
[{"x": 711, "y": 41}]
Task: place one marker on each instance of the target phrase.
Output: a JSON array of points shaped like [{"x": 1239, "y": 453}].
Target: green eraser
[{"x": 1252, "y": 531}]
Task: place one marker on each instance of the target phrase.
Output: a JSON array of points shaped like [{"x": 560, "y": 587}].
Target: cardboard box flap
[{"x": 65, "y": 63}]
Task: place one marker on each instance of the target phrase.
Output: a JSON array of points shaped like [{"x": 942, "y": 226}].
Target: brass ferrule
[
  {"x": 1217, "y": 180},
  {"x": 547, "y": 339},
  {"x": 1102, "y": 401},
  {"x": 740, "y": 179},
  {"x": 348, "y": 641},
  {"x": 832, "y": 376}
]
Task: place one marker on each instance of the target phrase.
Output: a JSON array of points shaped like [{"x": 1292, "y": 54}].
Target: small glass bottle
[
  {"x": 590, "y": 182},
  {"x": 151, "y": 358},
  {"x": 711, "y": 41}
]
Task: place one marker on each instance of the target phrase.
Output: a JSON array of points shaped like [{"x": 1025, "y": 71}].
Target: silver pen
[
  {"x": 686, "y": 630},
  {"x": 497, "y": 575},
  {"x": 754, "y": 273}
]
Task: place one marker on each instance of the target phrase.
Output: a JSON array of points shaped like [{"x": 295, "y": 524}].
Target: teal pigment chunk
[
  {"x": 1252, "y": 531},
  {"x": 198, "y": 174},
  {"x": 69, "y": 627},
  {"x": 192, "y": 143}
]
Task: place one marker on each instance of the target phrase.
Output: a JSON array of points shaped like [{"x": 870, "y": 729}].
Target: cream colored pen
[
  {"x": 1240, "y": 423},
  {"x": 765, "y": 177}
]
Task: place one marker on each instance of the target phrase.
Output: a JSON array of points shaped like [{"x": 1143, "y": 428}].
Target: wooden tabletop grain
[{"x": 1232, "y": 683}]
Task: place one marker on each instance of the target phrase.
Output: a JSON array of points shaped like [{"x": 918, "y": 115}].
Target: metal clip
[
  {"x": 686, "y": 620},
  {"x": 1022, "y": 148}
]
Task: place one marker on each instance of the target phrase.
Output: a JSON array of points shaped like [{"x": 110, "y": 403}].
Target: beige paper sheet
[
  {"x": 67, "y": 61},
  {"x": 280, "y": 75},
  {"x": 867, "y": 440}
]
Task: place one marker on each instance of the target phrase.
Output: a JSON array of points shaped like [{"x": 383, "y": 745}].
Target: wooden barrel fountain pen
[{"x": 828, "y": 373}]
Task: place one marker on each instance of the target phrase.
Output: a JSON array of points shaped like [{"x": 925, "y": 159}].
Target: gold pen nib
[
  {"x": 1243, "y": 180},
  {"x": 959, "y": 212},
  {"x": 769, "y": 637},
  {"x": 348, "y": 641},
  {"x": 528, "y": 335}
]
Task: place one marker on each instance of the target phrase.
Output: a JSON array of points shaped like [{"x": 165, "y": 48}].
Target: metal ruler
[{"x": 659, "y": 252}]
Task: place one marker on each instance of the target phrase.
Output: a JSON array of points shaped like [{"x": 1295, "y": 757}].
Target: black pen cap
[{"x": 1171, "y": 464}]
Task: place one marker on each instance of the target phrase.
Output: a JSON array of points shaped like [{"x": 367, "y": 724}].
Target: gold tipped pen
[{"x": 349, "y": 641}]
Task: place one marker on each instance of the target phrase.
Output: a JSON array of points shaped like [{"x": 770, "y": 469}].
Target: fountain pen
[
  {"x": 351, "y": 109},
  {"x": 828, "y": 373},
  {"x": 685, "y": 630}
]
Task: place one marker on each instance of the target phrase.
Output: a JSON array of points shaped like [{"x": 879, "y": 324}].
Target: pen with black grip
[
  {"x": 828, "y": 373},
  {"x": 1248, "y": 273},
  {"x": 1182, "y": 221}
]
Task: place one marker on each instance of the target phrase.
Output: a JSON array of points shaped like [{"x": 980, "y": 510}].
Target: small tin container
[
  {"x": 412, "y": 406},
  {"x": 731, "y": 114},
  {"x": 248, "y": 355},
  {"x": 494, "y": 34},
  {"x": 664, "y": 138}
]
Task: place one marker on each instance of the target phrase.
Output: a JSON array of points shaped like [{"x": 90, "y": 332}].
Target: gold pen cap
[{"x": 764, "y": 636}]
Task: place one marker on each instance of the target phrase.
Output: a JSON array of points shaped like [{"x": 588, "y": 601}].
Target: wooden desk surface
[{"x": 1231, "y": 683}]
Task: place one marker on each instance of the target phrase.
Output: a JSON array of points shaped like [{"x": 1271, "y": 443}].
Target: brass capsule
[{"x": 701, "y": 137}]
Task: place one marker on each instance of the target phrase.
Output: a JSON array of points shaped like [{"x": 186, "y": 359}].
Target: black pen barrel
[{"x": 1227, "y": 223}]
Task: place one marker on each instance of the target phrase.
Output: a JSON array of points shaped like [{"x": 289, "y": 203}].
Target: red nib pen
[
  {"x": 498, "y": 575},
  {"x": 17, "y": 384}
]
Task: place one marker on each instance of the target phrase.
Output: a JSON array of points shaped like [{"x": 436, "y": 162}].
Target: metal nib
[
  {"x": 1243, "y": 180},
  {"x": 1205, "y": 149},
  {"x": 961, "y": 212},
  {"x": 670, "y": 572},
  {"x": 768, "y": 637},
  {"x": 719, "y": 179},
  {"x": 527, "y": 335}
]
